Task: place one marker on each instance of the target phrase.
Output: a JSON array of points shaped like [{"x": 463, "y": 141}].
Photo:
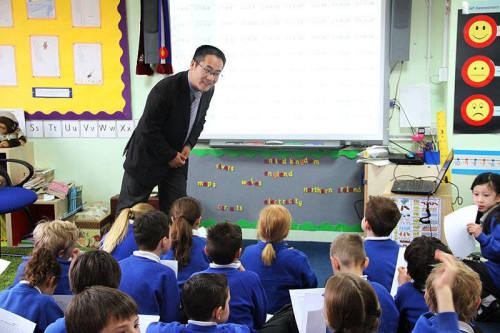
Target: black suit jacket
[{"x": 161, "y": 131}]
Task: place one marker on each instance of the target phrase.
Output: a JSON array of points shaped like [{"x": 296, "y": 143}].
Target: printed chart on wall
[
  {"x": 477, "y": 86},
  {"x": 474, "y": 162},
  {"x": 322, "y": 189},
  {"x": 65, "y": 59},
  {"x": 412, "y": 210}
]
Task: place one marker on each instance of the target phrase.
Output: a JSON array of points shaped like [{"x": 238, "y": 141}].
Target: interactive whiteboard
[{"x": 296, "y": 69}]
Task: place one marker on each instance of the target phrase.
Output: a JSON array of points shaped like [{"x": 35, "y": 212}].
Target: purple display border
[{"x": 126, "y": 114}]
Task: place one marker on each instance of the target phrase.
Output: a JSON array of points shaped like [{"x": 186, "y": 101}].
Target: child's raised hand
[
  {"x": 443, "y": 282},
  {"x": 474, "y": 229},
  {"x": 447, "y": 272},
  {"x": 403, "y": 276}
]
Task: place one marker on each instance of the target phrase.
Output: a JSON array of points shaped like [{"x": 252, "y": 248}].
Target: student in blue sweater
[
  {"x": 151, "y": 284},
  {"x": 348, "y": 255},
  {"x": 278, "y": 267},
  {"x": 188, "y": 248},
  {"x": 248, "y": 299},
  {"x": 119, "y": 241},
  {"x": 351, "y": 304},
  {"x": 59, "y": 237},
  {"x": 453, "y": 295},
  {"x": 381, "y": 217},
  {"x": 486, "y": 195},
  {"x": 31, "y": 298},
  {"x": 91, "y": 268},
  {"x": 409, "y": 298},
  {"x": 102, "y": 309},
  {"x": 206, "y": 301}
]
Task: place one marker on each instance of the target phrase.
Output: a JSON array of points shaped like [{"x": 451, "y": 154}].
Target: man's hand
[
  {"x": 474, "y": 229},
  {"x": 186, "y": 150},
  {"x": 178, "y": 161}
]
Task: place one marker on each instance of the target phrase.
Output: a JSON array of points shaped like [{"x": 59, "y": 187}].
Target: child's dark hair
[
  {"x": 203, "y": 293},
  {"x": 149, "y": 229},
  {"x": 351, "y": 304},
  {"x": 92, "y": 309},
  {"x": 223, "y": 242},
  {"x": 382, "y": 214},
  {"x": 204, "y": 50},
  {"x": 184, "y": 213},
  {"x": 41, "y": 266},
  {"x": 493, "y": 181},
  {"x": 420, "y": 258},
  {"x": 94, "y": 268}
]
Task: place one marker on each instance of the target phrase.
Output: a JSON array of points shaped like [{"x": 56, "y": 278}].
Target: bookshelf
[{"x": 17, "y": 223}]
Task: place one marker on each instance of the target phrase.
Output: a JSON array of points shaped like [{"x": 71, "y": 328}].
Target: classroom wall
[{"x": 97, "y": 163}]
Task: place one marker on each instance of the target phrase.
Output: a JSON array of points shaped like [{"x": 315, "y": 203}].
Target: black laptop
[{"x": 419, "y": 186}]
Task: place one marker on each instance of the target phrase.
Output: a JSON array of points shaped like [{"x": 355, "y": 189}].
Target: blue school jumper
[
  {"x": 383, "y": 254},
  {"x": 289, "y": 270},
  {"x": 63, "y": 285},
  {"x": 490, "y": 249},
  {"x": 390, "y": 315},
  {"x": 193, "y": 327},
  {"x": 411, "y": 305},
  {"x": 28, "y": 302},
  {"x": 248, "y": 303},
  {"x": 126, "y": 247},
  {"x": 445, "y": 322},
  {"x": 59, "y": 326},
  {"x": 152, "y": 285},
  {"x": 198, "y": 260}
]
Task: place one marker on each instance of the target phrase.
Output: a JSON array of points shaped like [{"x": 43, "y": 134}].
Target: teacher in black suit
[{"x": 173, "y": 118}]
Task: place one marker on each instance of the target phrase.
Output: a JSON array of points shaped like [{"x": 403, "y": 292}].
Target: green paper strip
[
  {"x": 309, "y": 226},
  {"x": 317, "y": 153}
]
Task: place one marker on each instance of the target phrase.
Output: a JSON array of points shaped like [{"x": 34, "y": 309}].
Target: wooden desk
[
  {"x": 377, "y": 177},
  {"x": 413, "y": 207}
]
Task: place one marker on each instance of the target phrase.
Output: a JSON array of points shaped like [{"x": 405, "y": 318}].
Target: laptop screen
[{"x": 445, "y": 167}]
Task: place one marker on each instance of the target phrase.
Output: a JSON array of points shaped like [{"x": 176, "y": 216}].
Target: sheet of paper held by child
[{"x": 460, "y": 242}]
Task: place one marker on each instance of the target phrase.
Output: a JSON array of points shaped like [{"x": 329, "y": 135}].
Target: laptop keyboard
[{"x": 417, "y": 184}]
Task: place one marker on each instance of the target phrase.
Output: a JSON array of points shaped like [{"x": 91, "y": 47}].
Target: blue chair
[{"x": 14, "y": 197}]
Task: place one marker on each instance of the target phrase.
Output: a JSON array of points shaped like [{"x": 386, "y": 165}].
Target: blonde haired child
[
  {"x": 452, "y": 292},
  {"x": 279, "y": 267},
  {"x": 59, "y": 238},
  {"x": 119, "y": 241},
  {"x": 347, "y": 255},
  {"x": 351, "y": 304},
  {"x": 188, "y": 248},
  {"x": 31, "y": 297}
]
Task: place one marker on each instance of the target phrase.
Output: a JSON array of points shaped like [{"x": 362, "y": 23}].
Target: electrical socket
[{"x": 433, "y": 129}]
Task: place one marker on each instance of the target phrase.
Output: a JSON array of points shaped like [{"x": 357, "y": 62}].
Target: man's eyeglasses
[{"x": 215, "y": 74}]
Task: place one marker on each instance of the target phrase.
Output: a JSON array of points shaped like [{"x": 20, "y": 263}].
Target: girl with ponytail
[
  {"x": 280, "y": 268},
  {"x": 119, "y": 241},
  {"x": 188, "y": 248}
]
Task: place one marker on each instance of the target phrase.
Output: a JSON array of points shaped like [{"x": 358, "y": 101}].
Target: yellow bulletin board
[{"x": 91, "y": 53}]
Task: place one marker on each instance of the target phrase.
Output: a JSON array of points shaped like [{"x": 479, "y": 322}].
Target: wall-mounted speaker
[{"x": 400, "y": 30}]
